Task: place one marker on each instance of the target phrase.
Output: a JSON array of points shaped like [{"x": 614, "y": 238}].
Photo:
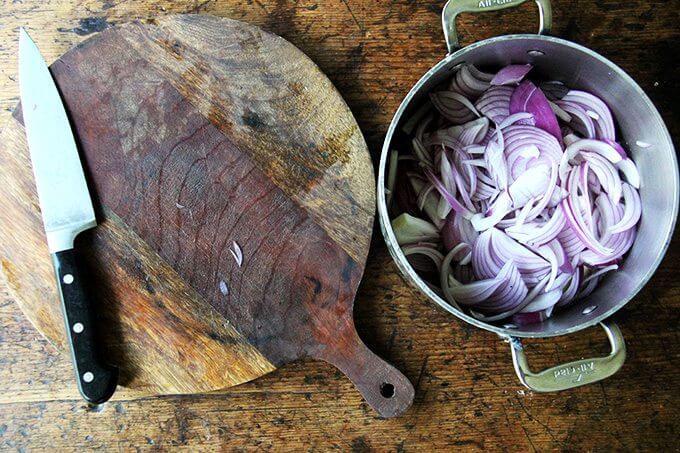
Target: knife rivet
[
  {"x": 68, "y": 279},
  {"x": 78, "y": 327},
  {"x": 88, "y": 377}
]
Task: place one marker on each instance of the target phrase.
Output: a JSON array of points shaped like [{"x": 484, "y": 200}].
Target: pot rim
[{"x": 399, "y": 257}]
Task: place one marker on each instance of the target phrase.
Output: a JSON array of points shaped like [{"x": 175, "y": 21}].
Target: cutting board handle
[{"x": 384, "y": 387}]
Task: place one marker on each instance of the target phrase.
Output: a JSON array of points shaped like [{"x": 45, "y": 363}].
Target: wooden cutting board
[{"x": 198, "y": 134}]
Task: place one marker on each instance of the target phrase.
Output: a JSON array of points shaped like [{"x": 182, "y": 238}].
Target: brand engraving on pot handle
[
  {"x": 490, "y": 3},
  {"x": 575, "y": 373}
]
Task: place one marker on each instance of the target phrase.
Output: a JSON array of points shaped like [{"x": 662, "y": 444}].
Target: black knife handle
[{"x": 96, "y": 380}]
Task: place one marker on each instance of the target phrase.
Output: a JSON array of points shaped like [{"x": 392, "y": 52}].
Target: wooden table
[{"x": 467, "y": 396}]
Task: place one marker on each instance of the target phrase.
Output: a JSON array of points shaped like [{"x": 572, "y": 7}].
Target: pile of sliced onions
[{"x": 512, "y": 199}]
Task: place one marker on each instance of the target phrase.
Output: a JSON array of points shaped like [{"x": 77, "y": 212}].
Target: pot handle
[
  {"x": 572, "y": 374},
  {"x": 455, "y": 7}
]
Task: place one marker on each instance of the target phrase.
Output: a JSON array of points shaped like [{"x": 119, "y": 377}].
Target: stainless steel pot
[{"x": 639, "y": 123}]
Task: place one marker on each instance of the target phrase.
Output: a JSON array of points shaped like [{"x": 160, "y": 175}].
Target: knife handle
[{"x": 96, "y": 380}]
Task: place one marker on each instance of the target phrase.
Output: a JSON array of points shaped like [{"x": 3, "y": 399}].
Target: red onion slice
[
  {"x": 630, "y": 171},
  {"x": 604, "y": 122},
  {"x": 543, "y": 301},
  {"x": 454, "y": 107},
  {"x": 482, "y": 290},
  {"x": 528, "y": 98},
  {"x": 511, "y": 75},
  {"x": 579, "y": 118},
  {"x": 495, "y": 103},
  {"x": 430, "y": 252},
  {"x": 455, "y": 204},
  {"x": 411, "y": 230},
  {"x": 633, "y": 212}
]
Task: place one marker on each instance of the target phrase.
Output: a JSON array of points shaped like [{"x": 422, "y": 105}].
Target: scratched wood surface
[
  {"x": 193, "y": 150},
  {"x": 466, "y": 393}
]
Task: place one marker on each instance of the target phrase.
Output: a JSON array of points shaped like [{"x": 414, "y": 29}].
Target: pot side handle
[
  {"x": 571, "y": 374},
  {"x": 455, "y": 7}
]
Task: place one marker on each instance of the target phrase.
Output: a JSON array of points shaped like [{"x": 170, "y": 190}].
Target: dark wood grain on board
[
  {"x": 193, "y": 149},
  {"x": 467, "y": 397}
]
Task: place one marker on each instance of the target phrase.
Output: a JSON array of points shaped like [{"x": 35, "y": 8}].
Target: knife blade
[{"x": 66, "y": 209}]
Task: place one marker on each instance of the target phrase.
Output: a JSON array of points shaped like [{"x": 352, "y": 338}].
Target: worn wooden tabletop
[{"x": 467, "y": 395}]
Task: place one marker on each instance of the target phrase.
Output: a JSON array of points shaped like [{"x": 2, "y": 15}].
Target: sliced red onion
[
  {"x": 630, "y": 171},
  {"x": 521, "y": 118},
  {"x": 480, "y": 75},
  {"x": 411, "y": 123},
  {"x": 531, "y": 295},
  {"x": 470, "y": 81},
  {"x": 587, "y": 288},
  {"x": 528, "y": 98},
  {"x": 509, "y": 294},
  {"x": 562, "y": 280},
  {"x": 539, "y": 233},
  {"x": 430, "y": 252},
  {"x": 595, "y": 146},
  {"x": 429, "y": 203},
  {"x": 475, "y": 131},
  {"x": 455, "y": 204},
  {"x": 619, "y": 149},
  {"x": 606, "y": 173},
  {"x": 454, "y": 107},
  {"x": 530, "y": 184},
  {"x": 618, "y": 243},
  {"x": 518, "y": 137},
  {"x": 494, "y": 159},
  {"x": 459, "y": 136},
  {"x": 421, "y": 152},
  {"x": 482, "y": 290},
  {"x": 571, "y": 289},
  {"x": 511, "y": 75},
  {"x": 498, "y": 210},
  {"x": 495, "y": 103},
  {"x": 484, "y": 191},
  {"x": 549, "y": 255},
  {"x": 547, "y": 196},
  {"x": 543, "y": 301},
  {"x": 410, "y": 230},
  {"x": 580, "y": 120},
  {"x": 423, "y": 195},
  {"x": 483, "y": 263},
  {"x": 531, "y": 266},
  {"x": 604, "y": 122},
  {"x": 575, "y": 219},
  {"x": 632, "y": 213},
  {"x": 457, "y": 230},
  {"x": 599, "y": 273},
  {"x": 554, "y": 89},
  {"x": 572, "y": 244},
  {"x": 561, "y": 114},
  {"x": 423, "y": 126},
  {"x": 525, "y": 218}
]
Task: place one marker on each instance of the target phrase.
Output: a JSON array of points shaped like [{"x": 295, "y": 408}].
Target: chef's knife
[{"x": 66, "y": 210}]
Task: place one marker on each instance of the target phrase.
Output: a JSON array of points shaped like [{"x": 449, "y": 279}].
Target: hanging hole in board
[{"x": 387, "y": 390}]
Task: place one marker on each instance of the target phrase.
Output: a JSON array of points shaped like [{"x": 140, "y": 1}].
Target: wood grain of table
[{"x": 467, "y": 396}]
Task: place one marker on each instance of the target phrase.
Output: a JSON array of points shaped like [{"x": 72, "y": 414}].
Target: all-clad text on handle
[
  {"x": 454, "y": 7},
  {"x": 572, "y": 374}
]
